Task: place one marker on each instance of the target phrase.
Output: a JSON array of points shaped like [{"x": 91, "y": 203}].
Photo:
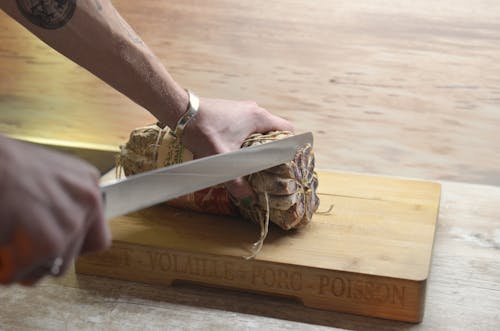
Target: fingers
[
  {"x": 267, "y": 122},
  {"x": 33, "y": 277},
  {"x": 91, "y": 232},
  {"x": 59, "y": 261},
  {"x": 97, "y": 238},
  {"x": 239, "y": 188},
  {"x": 98, "y": 235},
  {"x": 279, "y": 123},
  {"x": 66, "y": 258},
  {"x": 49, "y": 212}
]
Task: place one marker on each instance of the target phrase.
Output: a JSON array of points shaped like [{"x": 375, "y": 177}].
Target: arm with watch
[{"x": 53, "y": 210}]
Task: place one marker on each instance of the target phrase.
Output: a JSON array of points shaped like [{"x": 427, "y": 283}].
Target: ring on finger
[{"x": 54, "y": 267}]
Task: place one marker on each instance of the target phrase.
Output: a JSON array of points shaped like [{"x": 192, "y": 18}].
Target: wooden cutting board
[{"x": 370, "y": 255}]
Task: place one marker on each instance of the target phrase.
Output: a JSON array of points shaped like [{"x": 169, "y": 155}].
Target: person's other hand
[
  {"x": 50, "y": 210},
  {"x": 221, "y": 126}
]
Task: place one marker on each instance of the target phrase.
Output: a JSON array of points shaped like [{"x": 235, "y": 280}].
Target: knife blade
[
  {"x": 99, "y": 155},
  {"x": 152, "y": 187}
]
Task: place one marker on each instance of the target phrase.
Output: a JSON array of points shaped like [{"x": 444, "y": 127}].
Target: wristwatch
[{"x": 192, "y": 110}]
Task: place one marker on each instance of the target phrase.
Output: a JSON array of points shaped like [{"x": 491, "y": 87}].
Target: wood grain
[
  {"x": 462, "y": 291},
  {"x": 392, "y": 87},
  {"x": 370, "y": 255}
]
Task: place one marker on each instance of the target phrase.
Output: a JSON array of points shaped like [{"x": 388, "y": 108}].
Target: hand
[
  {"x": 50, "y": 207},
  {"x": 221, "y": 126}
]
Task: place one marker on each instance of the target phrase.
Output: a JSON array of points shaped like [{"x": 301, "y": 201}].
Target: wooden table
[
  {"x": 463, "y": 291},
  {"x": 395, "y": 87}
]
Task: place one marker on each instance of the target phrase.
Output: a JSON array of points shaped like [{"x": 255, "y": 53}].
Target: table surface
[
  {"x": 462, "y": 293},
  {"x": 398, "y": 88}
]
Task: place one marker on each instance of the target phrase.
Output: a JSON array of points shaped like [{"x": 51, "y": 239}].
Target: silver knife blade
[
  {"x": 152, "y": 187},
  {"x": 99, "y": 155}
]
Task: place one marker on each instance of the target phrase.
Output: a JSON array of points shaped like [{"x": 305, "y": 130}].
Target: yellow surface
[
  {"x": 378, "y": 226},
  {"x": 408, "y": 88},
  {"x": 370, "y": 255}
]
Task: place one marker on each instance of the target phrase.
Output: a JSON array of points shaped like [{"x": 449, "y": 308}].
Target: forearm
[{"x": 96, "y": 37}]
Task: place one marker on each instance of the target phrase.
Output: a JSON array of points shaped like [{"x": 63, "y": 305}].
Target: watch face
[{"x": 49, "y": 14}]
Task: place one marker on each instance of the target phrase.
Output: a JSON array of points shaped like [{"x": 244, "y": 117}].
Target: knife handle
[
  {"x": 15, "y": 257},
  {"x": 7, "y": 264}
]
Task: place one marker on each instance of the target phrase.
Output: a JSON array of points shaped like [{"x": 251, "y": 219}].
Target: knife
[
  {"x": 152, "y": 187},
  {"x": 99, "y": 155}
]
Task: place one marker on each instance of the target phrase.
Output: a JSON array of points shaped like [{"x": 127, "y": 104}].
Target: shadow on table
[{"x": 203, "y": 297}]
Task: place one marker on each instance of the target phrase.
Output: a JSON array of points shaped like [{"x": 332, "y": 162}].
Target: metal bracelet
[{"x": 192, "y": 110}]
